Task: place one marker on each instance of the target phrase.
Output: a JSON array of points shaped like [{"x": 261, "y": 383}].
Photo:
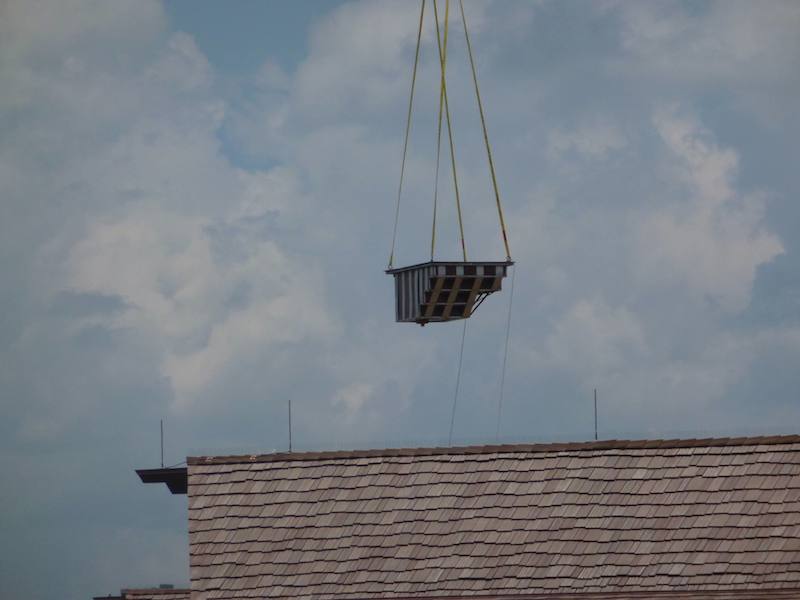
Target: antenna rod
[
  {"x": 162, "y": 443},
  {"x": 290, "y": 424},
  {"x": 595, "y": 414}
]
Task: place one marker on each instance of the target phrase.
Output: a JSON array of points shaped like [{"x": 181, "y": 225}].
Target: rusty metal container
[{"x": 440, "y": 291}]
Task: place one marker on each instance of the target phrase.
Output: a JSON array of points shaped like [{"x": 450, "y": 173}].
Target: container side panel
[{"x": 398, "y": 292}]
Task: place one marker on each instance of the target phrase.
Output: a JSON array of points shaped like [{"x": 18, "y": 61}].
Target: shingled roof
[{"x": 717, "y": 518}]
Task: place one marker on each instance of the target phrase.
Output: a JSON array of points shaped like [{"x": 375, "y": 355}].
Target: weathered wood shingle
[{"x": 609, "y": 517}]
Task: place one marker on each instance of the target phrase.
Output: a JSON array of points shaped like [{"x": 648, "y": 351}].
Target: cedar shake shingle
[{"x": 647, "y": 519}]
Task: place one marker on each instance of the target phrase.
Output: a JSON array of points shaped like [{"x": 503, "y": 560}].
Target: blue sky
[
  {"x": 238, "y": 42},
  {"x": 196, "y": 204}
]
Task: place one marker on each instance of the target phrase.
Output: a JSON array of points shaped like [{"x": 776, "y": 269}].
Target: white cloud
[
  {"x": 46, "y": 46},
  {"x": 215, "y": 264},
  {"x": 593, "y": 340},
  {"x": 594, "y": 140},
  {"x": 714, "y": 241},
  {"x": 205, "y": 305},
  {"x": 355, "y": 59},
  {"x": 733, "y": 40},
  {"x": 646, "y": 328},
  {"x": 195, "y": 248},
  {"x": 353, "y": 397},
  {"x": 360, "y": 57},
  {"x": 39, "y": 29},
  {"x": 183, "y": 67}
]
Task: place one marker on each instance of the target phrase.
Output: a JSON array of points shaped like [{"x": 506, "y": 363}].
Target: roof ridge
[{"x": 501, "y": 448}]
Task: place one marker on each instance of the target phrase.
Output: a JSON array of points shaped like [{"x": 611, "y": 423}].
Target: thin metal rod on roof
[
  {"x": 162, "y": 443},
  {"x": 595, "y": 414},
  {"x": 290, "y": 424},
  {"x": 458, "y": 384}
]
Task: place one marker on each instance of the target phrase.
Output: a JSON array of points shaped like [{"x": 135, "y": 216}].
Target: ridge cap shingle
[{"x": 644, "y": 444}]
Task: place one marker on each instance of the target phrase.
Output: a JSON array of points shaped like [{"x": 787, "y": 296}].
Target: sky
[{"x": 196, "y": 207}]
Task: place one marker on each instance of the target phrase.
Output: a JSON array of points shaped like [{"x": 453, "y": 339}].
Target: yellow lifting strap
[
  {"x": 444, "y": 107},
  {"x": 438, "y": 152},
  {"x": 442, "y": 58},
  {"x": 408, "y": 129},
  {"x": 485, "y": 134}
]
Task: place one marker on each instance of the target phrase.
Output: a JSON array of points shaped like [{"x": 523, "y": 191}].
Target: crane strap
[
  {"x": 444, "y": 108},
  {"x": 447, "y": 115},
  {"x": 408, "y": 129},
  {"x": 485, "y": 134},
  {"x": 438, "y": 152}
]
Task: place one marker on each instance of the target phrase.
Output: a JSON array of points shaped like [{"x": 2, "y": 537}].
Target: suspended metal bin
[{"x": 439, "y": 291}]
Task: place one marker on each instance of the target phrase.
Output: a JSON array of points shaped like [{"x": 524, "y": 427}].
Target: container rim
[{"x": 432, "y": 263}]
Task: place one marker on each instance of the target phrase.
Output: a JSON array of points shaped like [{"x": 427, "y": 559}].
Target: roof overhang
[{"x": 176, "y": 479}]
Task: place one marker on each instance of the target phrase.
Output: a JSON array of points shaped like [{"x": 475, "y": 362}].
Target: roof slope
[{"x": 503, "y": 520}]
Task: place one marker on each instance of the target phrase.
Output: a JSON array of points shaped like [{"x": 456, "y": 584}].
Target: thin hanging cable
[
  {"x": 485, "y": 133},
  {"x": 458, "y": 384},
  {"x": 438, "y": 154},
  {"x": 447, "y": 114},
  {"x": 408, "y": 129},
  {"x": 505, "y": 358}
]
